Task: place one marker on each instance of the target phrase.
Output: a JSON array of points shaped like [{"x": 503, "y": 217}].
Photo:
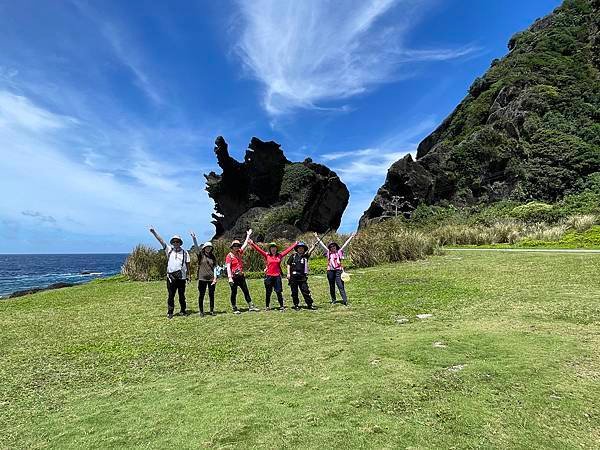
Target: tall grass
[
  {"x": 387, "y": 242},
  {"x": 145, "y": 264}
]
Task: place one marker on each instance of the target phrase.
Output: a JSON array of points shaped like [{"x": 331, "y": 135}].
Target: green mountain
[{"x": 528, "y": 129}]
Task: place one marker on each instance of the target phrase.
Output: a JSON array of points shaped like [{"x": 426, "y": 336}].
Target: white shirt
[{"x": 177, "y": 260}]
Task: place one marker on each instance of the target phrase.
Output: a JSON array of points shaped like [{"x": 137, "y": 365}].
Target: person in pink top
[
  {"x": 335, "y": 254},
  {"x": 273, "y": 271}
]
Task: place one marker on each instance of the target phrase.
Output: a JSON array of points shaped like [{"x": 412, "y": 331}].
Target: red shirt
[
  {"x": 235, "y": 262},
  {"x": 273, "y": 261}
]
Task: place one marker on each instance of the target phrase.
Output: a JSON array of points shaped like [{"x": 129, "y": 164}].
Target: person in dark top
[
  {"x": 207, "y": 275},
  {"x": 297, "y": 274}
]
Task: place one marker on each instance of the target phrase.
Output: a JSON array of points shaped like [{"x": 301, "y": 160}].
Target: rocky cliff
[
  {"x": 528, "y": 129},
  {"x": 275, "y": 197}
]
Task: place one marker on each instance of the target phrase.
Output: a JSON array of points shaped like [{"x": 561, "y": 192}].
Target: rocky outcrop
[
  {"x": 272, "y": 195},
  {"x": 528, "y": 128}
]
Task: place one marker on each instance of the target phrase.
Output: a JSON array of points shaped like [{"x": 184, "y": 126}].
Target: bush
[
  {"x": 535, "y": 212},
  {"x": 581, "y": 222},
  {"x": 389, "y": 241},
  {"x": 145, "y": 264}
]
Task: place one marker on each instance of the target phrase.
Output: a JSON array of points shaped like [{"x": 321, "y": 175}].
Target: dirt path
[{"x": 534, "y": 250}]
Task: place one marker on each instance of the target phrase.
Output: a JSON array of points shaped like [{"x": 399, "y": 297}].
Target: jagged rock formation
[
  {"x": 528, "y": 129},
  {"x": 275, "y": 197}
]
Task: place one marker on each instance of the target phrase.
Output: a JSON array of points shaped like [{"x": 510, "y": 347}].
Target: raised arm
[
  {"x": 312, "y": 248},
  {"x": 348, "y": 240},
  {"x": 248, "y": 234},
  {"x": 158, "y": 238},
  {"x": 289, "y": 249},
  {"x": 195, "y": 242},
  {"x": 257, "y": 248},
  {"x": 321, "y": 242}
]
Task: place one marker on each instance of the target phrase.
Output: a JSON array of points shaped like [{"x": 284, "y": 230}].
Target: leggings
[
  {"x": 239, "y": 280},
  {"x": 202, "y": 285},
  {"x": 273, "y": 283},
  {"x": 335, "y": 278}
]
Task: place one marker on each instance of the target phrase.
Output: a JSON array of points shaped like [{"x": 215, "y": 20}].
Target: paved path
[{"x": 534, "y": 250}]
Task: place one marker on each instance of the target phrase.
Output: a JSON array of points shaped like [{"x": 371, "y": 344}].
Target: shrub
[
  {"x": 535, "y": 212},
  {"x": 145, "y": 264},
  {"x": 581, "y": 222},
  {"x": 389, "y": 241}
]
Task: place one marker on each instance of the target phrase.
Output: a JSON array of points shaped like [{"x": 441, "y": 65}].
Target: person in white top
[{"x": 178, "y": 271}]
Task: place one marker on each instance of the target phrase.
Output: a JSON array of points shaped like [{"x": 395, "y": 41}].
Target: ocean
[{"x": 20, "y": 272}]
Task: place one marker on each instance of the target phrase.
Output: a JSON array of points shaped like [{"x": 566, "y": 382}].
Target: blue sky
[{"x": 109, "y": 110}]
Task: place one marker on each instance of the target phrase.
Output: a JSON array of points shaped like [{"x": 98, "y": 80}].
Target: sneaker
[
  {"x": 282, "y": 308},
  {"x": 296, "y": 308},
  {"x": 183, "y": 313},
  {"x": 212, "y": 313},
  {"x": 311, "y": 307},
  {"x": 200, "y": 313},
  {"x": 251, "y": 307},
  {"x": 236, "y": 311},
  {"x": 169, "y": 316},
  {"x": 333, "y": 302},
  {"x": 268, "y": 308},
  {"x": 345, "y": 303}
]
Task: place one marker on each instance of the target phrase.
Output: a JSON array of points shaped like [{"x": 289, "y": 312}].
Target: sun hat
[
  {"x": 301, "y": 244},
  {"x": 235, "y": 242},
  {"x": 176, "y": 238},
  {"x": 207, "y": 244}
]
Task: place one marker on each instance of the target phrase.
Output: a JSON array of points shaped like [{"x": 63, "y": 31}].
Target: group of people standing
[{"x": 178, "y": 272}]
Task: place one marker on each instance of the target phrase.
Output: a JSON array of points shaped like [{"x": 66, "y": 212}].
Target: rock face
[
  {"x": 528, "y": 129},
  {"x": 275, "y": 197}
]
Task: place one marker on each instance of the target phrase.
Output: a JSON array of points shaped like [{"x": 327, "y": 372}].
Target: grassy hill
[{"x": 510, "y": 358}]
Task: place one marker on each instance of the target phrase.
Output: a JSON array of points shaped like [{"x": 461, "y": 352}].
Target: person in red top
[
  {"x": 273, "y": 271},
  {"x": 235, "y": 273}
]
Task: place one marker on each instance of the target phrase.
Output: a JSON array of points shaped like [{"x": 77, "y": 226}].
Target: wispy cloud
[
  {"x": 136, "y": 190},
  {"x": 39, "y": 216},
  {"x": 309, "y": 52}
]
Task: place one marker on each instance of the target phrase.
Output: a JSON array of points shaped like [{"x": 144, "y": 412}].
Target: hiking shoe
[
  {"x": 183, "y": 313},
  {"x": 169, "y": 316},
  {"x": 333, "y": 302},
  {"x": 282, "y": 308},
  {"x": 268, "y": 308},
  {"x": 311, "y": 307},
  {"x": 200, "y": 313},
  {"x": 236, "y": 311},
  {"x": 212, "y": 313},
  {"x": 296, "y": 308}
]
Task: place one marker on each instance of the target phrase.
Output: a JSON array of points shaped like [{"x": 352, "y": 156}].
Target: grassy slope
[{"x": 100, "y": 366}]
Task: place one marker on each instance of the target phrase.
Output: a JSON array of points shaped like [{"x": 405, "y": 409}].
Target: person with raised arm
[
  {"x": 178, "y": 271},
  {"x": 273, "y": 271},
  {"x": 335, "y": 254},
  {"x": 207, "y": 274},
  {"x": 297, "y": 274},
  {"x": 235, "y": 272}
]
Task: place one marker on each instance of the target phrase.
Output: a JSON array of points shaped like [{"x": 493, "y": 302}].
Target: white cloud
[
  {"x": 46, "y": 180},
  {"x": 313, "y": 51}
]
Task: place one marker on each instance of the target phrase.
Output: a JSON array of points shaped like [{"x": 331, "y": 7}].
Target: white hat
[
  {"x": 176, "y": 238},
  {"x": 207, "y": 244}
]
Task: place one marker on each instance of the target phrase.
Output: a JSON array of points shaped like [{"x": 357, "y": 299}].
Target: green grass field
[{"x": 510, "y": 359}]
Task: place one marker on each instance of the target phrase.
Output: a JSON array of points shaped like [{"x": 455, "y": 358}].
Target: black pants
[
  {"x": 239, "y": 281},
  {"x": 173, "y": 287},
  {"x": 335, "y": 278},
  {"x": 300, "y": 282},
  {"x": 273, "y": 284},
  {"x": 202, "y": 285}
]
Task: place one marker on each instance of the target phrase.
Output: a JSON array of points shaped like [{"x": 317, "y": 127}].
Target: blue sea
[{"x": 20, "y": 272}]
